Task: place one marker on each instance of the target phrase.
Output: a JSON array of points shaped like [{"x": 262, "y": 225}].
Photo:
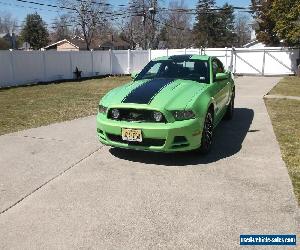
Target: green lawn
[
  {"x": 287, "y": 86},
  {"x": 285, "y": 116},
  {"x": 33, "y": 106}
]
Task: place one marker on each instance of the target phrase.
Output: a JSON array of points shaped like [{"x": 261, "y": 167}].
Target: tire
[
  {"x": 230, "y": 109},
  {"x": 207, "y": 133}
]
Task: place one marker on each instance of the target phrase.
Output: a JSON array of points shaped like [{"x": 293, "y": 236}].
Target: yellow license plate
[{"x": 129, "y": 134}]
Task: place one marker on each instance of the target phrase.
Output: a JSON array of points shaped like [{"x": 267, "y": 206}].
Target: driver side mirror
[
  {"x": 134, "y": 75},
  {"x": 221, "y": 76}
]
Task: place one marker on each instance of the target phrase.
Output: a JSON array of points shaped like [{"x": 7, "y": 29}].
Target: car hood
[{"x": 169, "y": 94}]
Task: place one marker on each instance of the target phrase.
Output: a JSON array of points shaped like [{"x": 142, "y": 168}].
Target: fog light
[
  {"x": 157, "y": 116},
  {"x": 115, "y": 113},
  {"x": 197, "y": 133}
]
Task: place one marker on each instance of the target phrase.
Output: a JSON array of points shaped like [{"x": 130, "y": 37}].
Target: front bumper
[{"x": 159, "y": 137}]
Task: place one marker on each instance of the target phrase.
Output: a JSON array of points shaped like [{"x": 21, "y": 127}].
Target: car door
[{"x": 221, "y": 87}]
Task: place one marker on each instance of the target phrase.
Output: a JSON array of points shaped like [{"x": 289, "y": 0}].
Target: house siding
[{"x": 65, "y": 46}]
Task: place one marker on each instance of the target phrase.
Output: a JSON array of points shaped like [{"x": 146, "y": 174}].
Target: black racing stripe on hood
[{"x": 144, "y": 93}]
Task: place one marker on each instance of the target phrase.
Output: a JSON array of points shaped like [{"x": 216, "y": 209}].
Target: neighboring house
[
  {"x": 111, "y": 42},
  {"x": 77, "y": 43},
  {"x": 26, "y": 47},
  {"x": 74, "y": 44},
  {"x": 63, "y": 45},
  {"x": 254, "y": 44}
]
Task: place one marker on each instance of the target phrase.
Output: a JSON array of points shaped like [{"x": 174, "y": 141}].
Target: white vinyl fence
[{"x": 26, "y": 67}]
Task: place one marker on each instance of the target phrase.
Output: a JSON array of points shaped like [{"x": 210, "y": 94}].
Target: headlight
[
  {"x": 183, "y": 114},
  {"x": 102, "y": 109},
  {"x": 115, "y": 113},
  {"x": 157, "y": 116}
]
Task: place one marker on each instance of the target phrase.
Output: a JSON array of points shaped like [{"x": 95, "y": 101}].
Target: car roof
[{"x": 183, "y": 57}]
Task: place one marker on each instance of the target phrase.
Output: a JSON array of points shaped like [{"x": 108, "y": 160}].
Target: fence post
[
  {"x": 44, "y": 65},
  {"x": 71, "y": 65},
  {"x": 92, "y": 58},
  {"x": 128, "y": 61},
  {"x": 263, "y": 64},
  {"x": 185, "y": 51},
  {"x": 226, "y": 64},
  {"x": 231, "y": 60},
  {"x": 110, "y": 63},
  {"x": 167, "y": 50},
  {"x": 149, "y": 54},
  {"x": 12, "y": 67},
  {"x": 234, "y": 51}
]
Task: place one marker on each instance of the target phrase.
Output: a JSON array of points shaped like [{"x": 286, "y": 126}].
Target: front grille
[
  {"x": 135, "y": 115},
  {"x": 147, "y": 142}
]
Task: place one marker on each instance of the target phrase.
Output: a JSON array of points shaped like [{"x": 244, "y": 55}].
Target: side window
[
  {"x": 215, "y": 67},
  {"x": 220, "y": 66}
]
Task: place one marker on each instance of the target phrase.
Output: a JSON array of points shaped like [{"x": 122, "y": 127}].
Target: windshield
[{"x": 195, "y": 70}]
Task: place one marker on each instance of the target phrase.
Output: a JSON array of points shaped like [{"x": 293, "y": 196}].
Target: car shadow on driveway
[{"x": 228, "y": 139}]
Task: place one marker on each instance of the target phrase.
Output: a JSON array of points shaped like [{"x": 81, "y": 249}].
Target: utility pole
[
  {"x": 144, "y": 16},
  {"x": 152, "y": 11}
]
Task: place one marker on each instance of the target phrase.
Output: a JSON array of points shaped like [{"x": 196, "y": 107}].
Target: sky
[{"x": 20, "y": 10}]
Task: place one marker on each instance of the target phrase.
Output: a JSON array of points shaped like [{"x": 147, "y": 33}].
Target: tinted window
[
  {"x": 189, "y": 69},
  {"x": 217, "y": 66}
]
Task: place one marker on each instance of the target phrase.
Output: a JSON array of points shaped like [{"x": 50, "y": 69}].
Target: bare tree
[
  {"x": 8, "y": 24},
  {"x": 242, "y": 30},
  {"x": 88, "y": 15},
  {"x": 132, "y": 32},
  {"x": 61, "y": 28},
  {"x": 177, "y": 26},
  {"x": 142, "y": 25}
]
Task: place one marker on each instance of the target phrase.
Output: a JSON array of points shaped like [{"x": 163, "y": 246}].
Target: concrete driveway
[{"x": 60, "y": 189}]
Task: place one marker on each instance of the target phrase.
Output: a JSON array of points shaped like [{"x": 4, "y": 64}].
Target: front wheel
[{"x": 207, "y": 134}]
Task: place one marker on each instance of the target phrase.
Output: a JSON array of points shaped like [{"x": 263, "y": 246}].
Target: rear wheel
[{"x": 207, "y": 133}]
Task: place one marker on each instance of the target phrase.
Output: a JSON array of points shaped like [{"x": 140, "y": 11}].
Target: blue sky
[{"x": 48, "y": 14}]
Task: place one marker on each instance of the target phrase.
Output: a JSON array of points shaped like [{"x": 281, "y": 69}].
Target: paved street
[{"x": 60, "y": 189}]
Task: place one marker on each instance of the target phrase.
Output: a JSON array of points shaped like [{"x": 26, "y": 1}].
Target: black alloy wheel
[{"x": 207, "y": 133}]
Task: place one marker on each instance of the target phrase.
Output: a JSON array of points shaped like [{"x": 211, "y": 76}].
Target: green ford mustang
[{"x": 173, "y": 104}]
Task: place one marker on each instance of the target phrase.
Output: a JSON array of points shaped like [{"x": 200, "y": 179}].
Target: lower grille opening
[
  {"x": 147, "y": 142},
  {"x": 180, "y": 141},
  {"x": 101, "y": 134},
  {"x": 180, "y": 145},
  {"x": 99, "y": 131}
]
